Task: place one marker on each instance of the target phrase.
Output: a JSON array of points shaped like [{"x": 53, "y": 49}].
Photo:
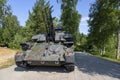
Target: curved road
[{"x": 87, "y": 68}]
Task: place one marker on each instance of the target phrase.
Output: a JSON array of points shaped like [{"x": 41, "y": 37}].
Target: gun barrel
[{"x": 47, "y": 17}]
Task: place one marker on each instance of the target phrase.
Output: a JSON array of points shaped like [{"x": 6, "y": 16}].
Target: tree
[
  {"x": 4, "y": 11},
  {"x": 18, "y": 38},
  {"x": 10, "y": 28},
  {"x": 117, "y": 6},
  {"x": 70, "y": 17},
  {"x": 103, "y": 23},
  {"x": 56, "y": 22},
  {"x": 36, "y": 23},
  {"x": 2, "y": 15}
]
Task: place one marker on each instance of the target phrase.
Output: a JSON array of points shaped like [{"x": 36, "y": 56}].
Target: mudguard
[{"x": 18, "y": 57}]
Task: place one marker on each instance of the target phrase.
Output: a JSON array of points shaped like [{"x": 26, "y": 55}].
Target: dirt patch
[{"x": 6, "y": 51}]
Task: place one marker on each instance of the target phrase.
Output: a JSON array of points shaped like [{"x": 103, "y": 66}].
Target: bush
[
  {"x": 11, "y": 45},
  {"x": 80, "y": 48}
]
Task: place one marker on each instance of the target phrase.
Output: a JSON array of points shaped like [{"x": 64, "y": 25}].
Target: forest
[{"x": 104, "y": 26}]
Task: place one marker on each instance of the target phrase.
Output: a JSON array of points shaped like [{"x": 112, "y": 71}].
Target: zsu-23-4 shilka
[{"x": 55, "y": 47}]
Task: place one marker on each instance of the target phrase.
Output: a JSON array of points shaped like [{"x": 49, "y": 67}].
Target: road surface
[{"x": 87, "y": 67}]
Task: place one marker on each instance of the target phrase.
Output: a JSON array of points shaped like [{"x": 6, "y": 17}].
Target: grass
[
  {"x": 6, "y": 51},
  {"x": 109, "y": 59},
  {"x": 108, "y": 56},
  {"x": 6, "y": 63},
  {"x": 6, "y": 57}
]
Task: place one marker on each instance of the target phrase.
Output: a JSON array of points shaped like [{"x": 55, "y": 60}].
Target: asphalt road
[{"x": 87, "y": 67}]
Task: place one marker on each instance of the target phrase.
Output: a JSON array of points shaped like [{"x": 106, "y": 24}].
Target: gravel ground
[{"x": 87, "y": 67}]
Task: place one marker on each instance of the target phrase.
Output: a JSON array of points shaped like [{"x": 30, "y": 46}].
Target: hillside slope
[
  {"x": 6, "y": 51},
  {"x": 6, "y": 57}
]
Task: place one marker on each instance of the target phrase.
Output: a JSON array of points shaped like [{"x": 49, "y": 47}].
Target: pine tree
[
  {"x": 4, "y": 11},
  {"x": 70, "y": 17},
  {"x": 36, "y": 23},
  {"x": 10, "y": 28}
]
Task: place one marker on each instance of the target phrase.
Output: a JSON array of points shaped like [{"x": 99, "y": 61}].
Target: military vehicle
[{"x": 53, "y": 48}]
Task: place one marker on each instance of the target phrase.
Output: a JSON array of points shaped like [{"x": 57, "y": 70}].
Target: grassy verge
[
  {"x": 6, "y": 63},
  {"x": 109, "y": 59}
]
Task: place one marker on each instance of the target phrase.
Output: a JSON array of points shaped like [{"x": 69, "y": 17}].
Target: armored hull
[{"x": 43, "y": 53}]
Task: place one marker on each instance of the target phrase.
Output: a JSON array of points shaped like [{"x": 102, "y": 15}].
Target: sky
[{"x": 20, "y": 8}]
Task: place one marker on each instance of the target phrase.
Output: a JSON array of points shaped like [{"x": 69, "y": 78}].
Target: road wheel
[
  {"x": 19, "y": 64},
  {"x": 70, "y": 67},
  {"x": 23, "y": 64}
]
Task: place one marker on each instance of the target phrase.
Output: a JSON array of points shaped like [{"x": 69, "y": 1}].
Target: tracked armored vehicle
[{"x": 53, "y": 48}]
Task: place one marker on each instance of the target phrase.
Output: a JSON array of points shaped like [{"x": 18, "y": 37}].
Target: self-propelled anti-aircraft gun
[{"x": 52, "y": 48}]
